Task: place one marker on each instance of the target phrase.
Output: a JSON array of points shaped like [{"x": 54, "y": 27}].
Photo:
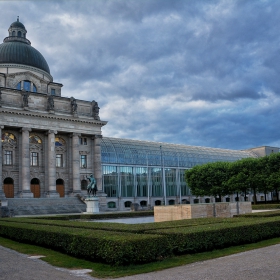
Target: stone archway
[
  {"x": 60, "y": 187},
  {"x": 9, "y": 187},
  {"x": 35, "y": 187}
]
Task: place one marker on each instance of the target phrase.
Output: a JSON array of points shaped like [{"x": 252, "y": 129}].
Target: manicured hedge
[
  {"x": 108, "y": 247},
  {"x": 260, "y": 214},
  {"x": 215, "y": 236},
  {"x": 99, "y": 216},
  {"x": 128, "y": 244},
  {"x": 117, "y": 227},
  {"x": 265, "y": 206}
]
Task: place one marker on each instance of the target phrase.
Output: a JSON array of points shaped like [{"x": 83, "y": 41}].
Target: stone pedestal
[
  {"x": 92, "y": 204},
  {"x": 201, "y": 210}
]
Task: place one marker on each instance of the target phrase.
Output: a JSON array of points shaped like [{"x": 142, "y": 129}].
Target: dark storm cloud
[{"x": 194, "y": 72}]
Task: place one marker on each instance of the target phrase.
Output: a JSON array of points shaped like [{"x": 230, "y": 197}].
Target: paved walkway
[{"x": 260, "y": 264}]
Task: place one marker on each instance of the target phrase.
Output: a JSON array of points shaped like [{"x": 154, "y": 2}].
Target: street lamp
[{"x": 163, "y": 175}]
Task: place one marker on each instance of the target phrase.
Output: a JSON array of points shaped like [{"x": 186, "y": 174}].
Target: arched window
[
  {"x": 127, "y": 204},
  {"x": 157, "y": 202},
  {"x": 207, "y": 200},
  {"x": 196, "y": 200},
  {"x": 19, "y": 34},
  {"x": 111, "y": 204},
  {"x": 9, "y": 138},
  {"x": 171, "y": 202},
  {"x": 59, "y": 142},
  {"x": 143, "y": 203},
  {"x": 34, "y": 139},
  {"x": 14, "y": 33},
  {"x": 27, "y": 86}
]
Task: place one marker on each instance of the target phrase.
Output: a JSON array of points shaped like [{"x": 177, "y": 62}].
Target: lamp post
[{"x": 163, "y": 175}]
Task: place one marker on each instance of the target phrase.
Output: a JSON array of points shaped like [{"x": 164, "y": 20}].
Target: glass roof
[{"x": 146, "y": 153}]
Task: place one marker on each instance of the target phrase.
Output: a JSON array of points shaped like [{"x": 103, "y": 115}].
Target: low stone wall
[{"x": 203, "y": 210}]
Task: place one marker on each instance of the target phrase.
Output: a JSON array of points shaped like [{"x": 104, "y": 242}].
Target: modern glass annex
[{"x": 133, "y": 168}]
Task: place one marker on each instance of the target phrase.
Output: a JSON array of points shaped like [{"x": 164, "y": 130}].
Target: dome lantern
[{"x": 17, "y": 49}]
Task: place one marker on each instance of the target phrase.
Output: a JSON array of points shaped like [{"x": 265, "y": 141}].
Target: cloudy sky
[{"x": 204, "y": 73}]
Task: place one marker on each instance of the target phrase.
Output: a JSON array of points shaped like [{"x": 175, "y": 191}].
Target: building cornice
[{"x": 52, "y": 116}]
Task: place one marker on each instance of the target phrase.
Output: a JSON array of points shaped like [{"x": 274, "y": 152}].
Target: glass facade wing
[{"x": 146, "y": 153}]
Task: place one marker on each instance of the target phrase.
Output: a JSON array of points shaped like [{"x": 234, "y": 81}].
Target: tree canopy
[{"x": 225, "y": 178}]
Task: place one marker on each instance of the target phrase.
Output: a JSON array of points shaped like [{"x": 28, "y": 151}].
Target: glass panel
[
  {"x": 19, "y": 86},
  {"x": 83, "y": 161},
  {"x": 52, "y": 91},
  {"x": 27, "y": 85},
  {"x": 110, "y": 180},
  {"x": 34, "y": 88},
  {"x": 170, "y": 182},
  {"x": 8, "y": 156},
  {"x": 156, "y": 176},
  {"x": 185, "y": 190},
  {"x": 141, "y": 181},
  {"x": 58, "y": 160},
  {"x": 34, "y": 159},
  {"x": 126, "y": 180}
]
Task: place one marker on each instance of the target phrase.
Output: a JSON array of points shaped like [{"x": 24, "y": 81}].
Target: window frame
[
  {"x": 59, "y": 160},
  {"x": 34, "y": 159},
  {"x": 83, "y": 161},
  {"x": 8, "y": 157}
]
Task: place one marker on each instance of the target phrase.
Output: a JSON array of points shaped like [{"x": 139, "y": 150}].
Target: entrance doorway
[
  {"x": 9, "y": 187},
  {"x": 35, "y": 187},
  {"x": 60, "y": 187}
]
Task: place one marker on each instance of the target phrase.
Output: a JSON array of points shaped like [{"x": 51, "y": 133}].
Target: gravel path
[{"x": 261, "y": 264}]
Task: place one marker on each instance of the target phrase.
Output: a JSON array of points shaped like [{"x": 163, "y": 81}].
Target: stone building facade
[{"x": 50, "y": 143}]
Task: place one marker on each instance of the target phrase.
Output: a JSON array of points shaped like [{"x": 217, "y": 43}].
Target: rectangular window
[
  {"x": 52, "y": 91},
  {"x": 59, "y": 162},
  {"x": 83, "y": 162},
  {"x": 8, "y": 157},
  {"x": 34, "y": 159},
  {"x": 83, "y": 141}
]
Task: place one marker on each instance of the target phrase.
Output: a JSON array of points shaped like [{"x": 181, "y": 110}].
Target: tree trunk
[{"x": 255, "y": 196}]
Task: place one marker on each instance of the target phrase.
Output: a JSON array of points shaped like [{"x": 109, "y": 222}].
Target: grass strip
[{"x": 106, "y": 271}]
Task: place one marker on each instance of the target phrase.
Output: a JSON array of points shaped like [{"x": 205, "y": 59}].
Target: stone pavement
[{"x": 260, "y": 264}]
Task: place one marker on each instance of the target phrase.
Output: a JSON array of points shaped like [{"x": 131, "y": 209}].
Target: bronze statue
[{"x": 91, "y": 188}]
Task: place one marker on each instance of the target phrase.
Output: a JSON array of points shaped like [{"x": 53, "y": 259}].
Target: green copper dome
[{"x": 17, "y": 49}]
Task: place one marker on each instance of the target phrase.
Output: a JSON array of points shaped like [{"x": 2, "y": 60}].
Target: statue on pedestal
[{"x": 91, "y": 188}]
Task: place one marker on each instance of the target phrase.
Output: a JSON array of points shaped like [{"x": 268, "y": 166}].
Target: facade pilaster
[
  {"x": 97, "y": 162},
  {"x": 2, "y": 194},
  {"x": 25, "y": 164},
  {"x": 52, "y": 164},
  {"x": 98, "y": 172},
  {"x": 76, "y": 163}
]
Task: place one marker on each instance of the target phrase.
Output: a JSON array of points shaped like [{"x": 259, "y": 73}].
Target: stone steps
[{"x": 45, "y": 206}]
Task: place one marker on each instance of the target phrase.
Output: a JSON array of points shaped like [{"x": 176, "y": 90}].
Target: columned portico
[
  {"x": 25, "y": 164},
  {"x": 2, "y": 194},
  {"x": 52, "y": 164},
  {"x": 76, "y": 163}
]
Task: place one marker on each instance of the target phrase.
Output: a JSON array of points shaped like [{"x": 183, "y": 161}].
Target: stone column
[
  {"x": 25, "y": 164},
  {"x": 76, "y": 164},
  {"x": 52, "y": 164},
  {"x": 2, "y": 194},
  {"x": 97, "y": 162},
  {"x": 98, "y": 172}
]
